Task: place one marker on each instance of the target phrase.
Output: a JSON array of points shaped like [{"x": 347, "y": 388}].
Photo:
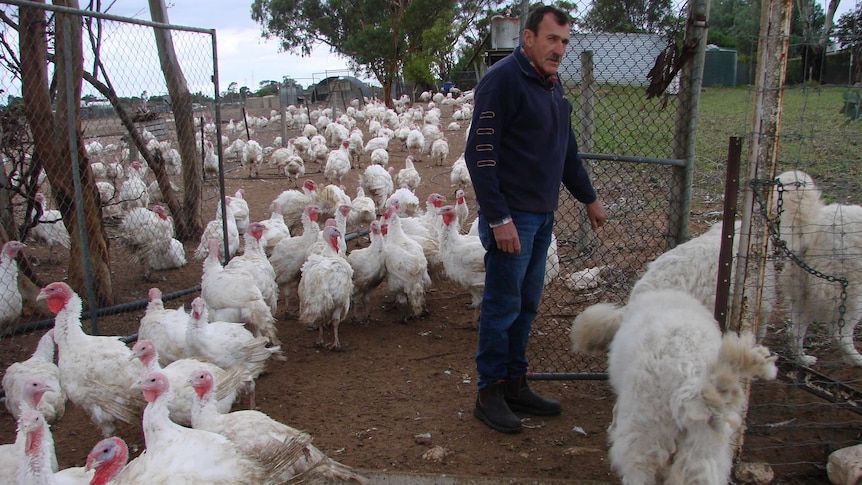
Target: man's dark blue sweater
[{"x": 521, "y": 143}]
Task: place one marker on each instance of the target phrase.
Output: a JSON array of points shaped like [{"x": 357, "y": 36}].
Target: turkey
[
  {"x": 176, "y": 454},
  {"x": 415, "y": 141},
  {"x": 293, "y": 203},
  {"x": 363, "y": 210},
  {"x": 40, "y": 366},
  {"x": 11, "y": 303},
  {"x": 95, "y": 371},
  {"x": 165, "y": 327},
  {"x": 251, "y": 158},
  {"x": 178, "y": 373},
  {"x": 232, "y": 295},
  {"x": 274, "y": 228},
  {"x": 50, "y": 228},
  {"x": 240, "y": 211},
  {"x": 254, "y": 261},
  {"x": 406, "y": 266},
  {"x": 460, "y": 176},
  {"x": 408, "y": 176},
  {"x": 325, "y": 286},
  {"x": 133, "y": 191},
  {"x": 462, "y": 210},
  {"x": 376, "y": 181},
  {"x": 381, "y": 141},
  {"x": 439, "y": 151},
  {"x": 227, "y": 344},
  {"x": 214, "y": 230},
  {"x": 37, "y": 463},
  {"x": 380, "y": 157},
  {"x": 253, "y": 432},
  {"x": 289, "y": 255},
  {"x": 463, "y": 259},
  {"x": 369, "y": 271},
  {"x": 406, "y": 201},
  {"x": 149, "y": 235},
  {"x": 356, "y": 146},
  {"x": 211, "y": 165},
  {"x": 337, "y": 164},
  {"x": 11, "y": 454},
  {"x": 329, "y": 198}
]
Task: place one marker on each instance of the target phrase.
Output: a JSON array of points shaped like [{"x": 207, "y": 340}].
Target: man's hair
[{"x": 538, "y": 13}]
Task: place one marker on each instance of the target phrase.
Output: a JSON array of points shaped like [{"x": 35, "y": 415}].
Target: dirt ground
[
  {"x": 399, "y": 398},
  {"x": 396, "y": 392}
]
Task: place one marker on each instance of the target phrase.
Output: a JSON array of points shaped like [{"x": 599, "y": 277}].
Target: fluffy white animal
[
  {"x": 325, "y": 286},
  {"x": 677, "y": 381},
  {"x": 49, "y": 227},
  {"x": 95, "y": 371},
  {"x": 408, "y": 176},
  {"x": 40, "y": 366},
  {"x": 460, "y": 176},
  {"x": 11, "y": 302},
  {"x": 240, "y": 211},
  {"x": 826, "y": 238},
  {"x": 691, "y": 267},
  {"x": 213, "y": 230},
  {"x": 166, "y": 328},
  {"x": 377, "y": 183},
  {"x": 149, "y": 235},
  {"x": 337, "y": 164},
  {"x": 133, "y": 191}
]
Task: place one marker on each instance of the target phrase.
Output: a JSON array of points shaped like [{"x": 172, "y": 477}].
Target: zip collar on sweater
[{"x": 547, "y": 81}]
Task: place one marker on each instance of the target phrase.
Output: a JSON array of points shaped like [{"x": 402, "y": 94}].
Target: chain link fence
[{"x": 103, "y": 174}]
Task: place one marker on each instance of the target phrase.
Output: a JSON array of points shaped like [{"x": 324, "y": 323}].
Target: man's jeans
[{"x": 513, "y": 289}]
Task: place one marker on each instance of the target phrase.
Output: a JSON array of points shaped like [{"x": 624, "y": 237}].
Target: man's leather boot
[
  {"x": 522, "y": 399},
  {"x": 491, "y": 409}
]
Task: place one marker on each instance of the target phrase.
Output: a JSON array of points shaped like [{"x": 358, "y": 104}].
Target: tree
[
  {"x": 629, "y": 16},
  {"x": 378, "y": 37},
  {"x": 52, "y": 140},
  {"x": 848, "y": 31},
  {"x": 816, "y": 27}
]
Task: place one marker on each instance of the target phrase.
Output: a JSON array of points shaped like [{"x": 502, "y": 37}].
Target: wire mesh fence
[{"x": 105, "y": 127}]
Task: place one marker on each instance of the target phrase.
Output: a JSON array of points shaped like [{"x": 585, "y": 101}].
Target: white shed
[{"x": 618, "y": 58}]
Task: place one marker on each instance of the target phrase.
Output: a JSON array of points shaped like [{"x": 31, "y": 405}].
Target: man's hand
[
  {"x": 507, "y": 238},
  {"x": 596, "y": 214}
]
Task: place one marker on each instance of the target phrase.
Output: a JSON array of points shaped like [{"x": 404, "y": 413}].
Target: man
[{"x": 520, "y": 148}]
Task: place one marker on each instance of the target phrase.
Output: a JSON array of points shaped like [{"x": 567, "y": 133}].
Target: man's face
[{"x": 547, "y": 46}]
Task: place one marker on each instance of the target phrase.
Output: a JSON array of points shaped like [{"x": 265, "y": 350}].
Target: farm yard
[{"x": 398, "y": 399}]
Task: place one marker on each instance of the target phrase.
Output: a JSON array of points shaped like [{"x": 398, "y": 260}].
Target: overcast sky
[{"x": 244, "y": 57}]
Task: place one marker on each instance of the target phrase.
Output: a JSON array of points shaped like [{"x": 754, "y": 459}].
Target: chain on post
[{"x": 780, "y": 247}]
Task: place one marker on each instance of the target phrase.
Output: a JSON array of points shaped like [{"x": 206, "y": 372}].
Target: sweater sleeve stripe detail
[
  {"x": 486, "y": 163},
  {"x": 484, "y": 147},
  {"x": 484, "y": 115},
  {"x": 484, "y": 131}
]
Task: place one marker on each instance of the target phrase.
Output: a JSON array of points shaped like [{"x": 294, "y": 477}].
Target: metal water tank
[{"x": 504, "y": 32}]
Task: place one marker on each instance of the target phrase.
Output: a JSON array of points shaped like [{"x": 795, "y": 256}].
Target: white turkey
[
  {"x": 369, "y": 271},
  {"x": 149, "y": 235},
  {"x": 406, "y": 201},
  {"x": 40, "y": 366},
  {"x": 408, "y": 176},
  {"x": 254, "y": 261},
  {"x": 460, "y": 176},
  {"x": 165, "y": 327},
  {"x": 176, "y": 454},
  {"x": 289, "y": 255},
  {"x": 363, "y": 210},
  {"x": 293, "y": 203},
  {"x": 325, "y": 286},
  {"x": 37, "y": 463},
  {"x": 274, "y": 228},
  {"x": 406, "y": 266},
  {"x": 214, "y": 230},
  {"x": 11, "y": 303},
  {"x": 415, "y": 141},
  {"x": 377, "y": 183},
  {"x": 240, "y": 210},
  {"x": 49, "y": 227},
  {"x": 11, "y": 454},
  {"x": 254, "y": 432},
  {"x": 380, "y": 157},
  {"x": 133, "y": 191},
  {"x": 95, "y": 371},
  {"x": 463, "y": 259},
  {"x": 462, "y": 210},
  {"x": 227, "y": 344},
  {"x": 252, "y": 158},
  {"x": 337, "y": 164},
  {"x": 439, "y": 151},
  {"x": 178, "y": 373},
  {"x": 232, "y": 295}
]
